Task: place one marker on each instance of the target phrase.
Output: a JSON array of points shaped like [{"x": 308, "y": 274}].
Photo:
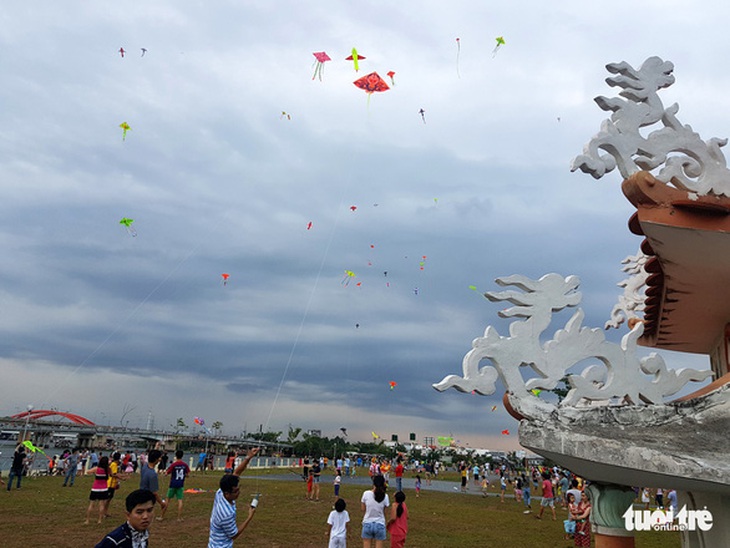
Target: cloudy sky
[{"x": 97, "y": 321}]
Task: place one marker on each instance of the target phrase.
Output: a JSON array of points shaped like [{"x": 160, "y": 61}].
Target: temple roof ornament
[
  {"x": 632, "y": 301},
  {"x": 619, "y": 376},
  {"x": 681, "y": 156}
]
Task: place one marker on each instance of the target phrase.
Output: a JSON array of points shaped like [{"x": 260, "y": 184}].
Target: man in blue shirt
[
  {"x": 148, "y": 477},
  {"x": 223, "y": 527}
]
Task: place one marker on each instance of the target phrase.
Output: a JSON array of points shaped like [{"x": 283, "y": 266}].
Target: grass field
[{"x": 43, "y": 513}]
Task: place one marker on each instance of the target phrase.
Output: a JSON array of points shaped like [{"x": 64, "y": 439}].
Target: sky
[{"x": 234, "y": 150}]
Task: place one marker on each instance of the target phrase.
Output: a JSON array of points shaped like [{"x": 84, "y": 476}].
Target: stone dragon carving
[
  {"x": 618, "y": 374},
  {"x": 689, "y": 163}
]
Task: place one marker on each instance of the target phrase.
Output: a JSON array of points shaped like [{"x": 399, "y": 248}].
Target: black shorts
[{"x": 99, "y": 495}]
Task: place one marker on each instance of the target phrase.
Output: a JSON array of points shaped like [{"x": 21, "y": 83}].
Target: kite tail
[{"x": 458, "y": 51}]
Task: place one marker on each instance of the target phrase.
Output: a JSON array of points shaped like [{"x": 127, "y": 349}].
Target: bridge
[{"x": 51, "y": 428}]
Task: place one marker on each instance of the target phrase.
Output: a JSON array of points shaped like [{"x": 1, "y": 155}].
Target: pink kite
[
  {"x": 321, "y": 58},
  {"x": 309, "y": 225}
]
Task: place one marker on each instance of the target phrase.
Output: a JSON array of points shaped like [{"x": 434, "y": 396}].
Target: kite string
[
  {"x": 134, "y": 311},
  {"x": 306, "y": 311}
]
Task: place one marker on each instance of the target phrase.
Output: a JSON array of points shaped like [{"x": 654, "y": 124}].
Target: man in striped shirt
[{"x": 223, "y": 527}]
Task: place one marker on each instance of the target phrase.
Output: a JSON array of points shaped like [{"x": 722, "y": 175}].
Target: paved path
[{"x": 408, "y": 483}]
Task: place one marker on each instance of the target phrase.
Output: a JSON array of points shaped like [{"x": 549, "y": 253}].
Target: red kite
[
  {"x": 225, "y": 278},
  {"x": 390, "y": 75},
  {"x": 372, "y": 83},
  {"x": 505, "y": 432}
]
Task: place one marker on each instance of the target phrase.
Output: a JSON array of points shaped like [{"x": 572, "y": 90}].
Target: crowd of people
[{"x": 556, "y": 488}]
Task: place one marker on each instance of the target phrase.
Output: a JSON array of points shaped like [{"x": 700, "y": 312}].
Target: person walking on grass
[
  {"x": 148, "y": 477},
  {"x": 16, "y": 468},
  {"x": 373, "y": 503},
  {"x": 72, "y": 464},
  {"x": 526, "y": 497},
  {"x": 316, "y": 472},
  {"x": 99, "y": 490},
  {"x": 177, "y": 471},
  {"x": 337, "y": 521},
  {"x": 398, "y": 524},
  {"x": 547, "y": 496}
]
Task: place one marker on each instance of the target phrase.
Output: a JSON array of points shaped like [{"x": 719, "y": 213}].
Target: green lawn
[{"x": 42, "y": 513}]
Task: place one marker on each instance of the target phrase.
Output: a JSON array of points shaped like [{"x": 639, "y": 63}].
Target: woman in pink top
[
  {"x": 99, "y": 489},
  {"x": 398, "y": 523}
]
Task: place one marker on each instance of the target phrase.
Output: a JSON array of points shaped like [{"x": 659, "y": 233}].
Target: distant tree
[
  {"x": 216, "y": 426},
  {"x": 293, "y": 434},
  {"x": 270, "y": 437},
  {"x": 181, "y": 423},
  {"x": 561, "y": 389}
]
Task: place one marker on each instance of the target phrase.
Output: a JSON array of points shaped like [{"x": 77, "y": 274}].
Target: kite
[
  {"x": 494, "y": 408},
  {"x": 390, "y": 75},
  {"x": 536, "y": 391},
  {"x": 309, "y": 225},
  {"x": 320, "y": 59},
  {"x": 458, "y": 51},
  {"x": 505, "y": 432},
  {"x": 354, "y": 58},
  {"x": 353, "y": 208},
  {"x": 375, "y": 436},
  {"x": 415, "y": 291},
  {"x": 371, "y": 83},
  {"x": 225, "y": 278},
  {"x": 284, "y": 114},
  {"x": 195, "y": 490},
  {"x": 199, "y": 421},
  {"x": 393, "y": 384},
  {"x": 473, "y": 287},
  {"x": 422, "y": 263},
  {"x": 144, "y": 50},
  {"x": 357, "y": 326},
  {"x": 29, "y": 445},
  {"x": 128, "y": 225},
  {"x": 121, "y": 52},
  {"x": 500, "y": 43},
  {"x": 125, "y": 128},
  {"x": 344, "y": 431},
  {"x": 423, "y": 115},
  {"x": 349, "y": 275}
]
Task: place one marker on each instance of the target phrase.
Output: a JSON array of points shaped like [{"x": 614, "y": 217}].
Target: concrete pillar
[
  {"x": 719, "y": 506},
  {"x": 608, "y": 504}
]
